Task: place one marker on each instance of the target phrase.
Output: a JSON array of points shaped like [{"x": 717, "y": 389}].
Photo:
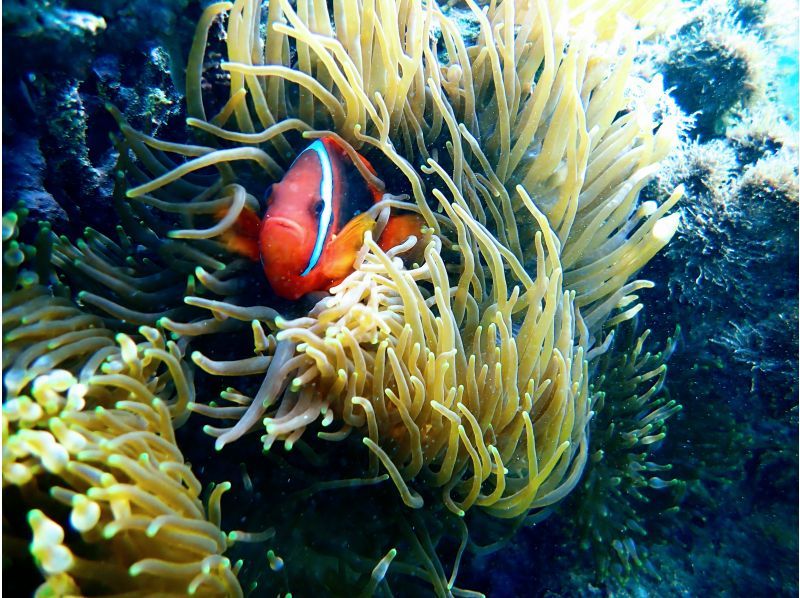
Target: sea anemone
[
  {"x": 439, "y": 376},
  {"x": 460, "y": 359},
  {"x": 89, "y": 445},
  {"x": 624, "y": 483}
]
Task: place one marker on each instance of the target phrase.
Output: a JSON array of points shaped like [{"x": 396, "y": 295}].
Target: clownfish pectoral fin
[
  {"x": 242, "y": 236},
  {"x": 341, "y": 253}
]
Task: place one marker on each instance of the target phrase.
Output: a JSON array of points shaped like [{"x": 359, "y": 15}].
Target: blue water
[{"x": 789, "y": 82}]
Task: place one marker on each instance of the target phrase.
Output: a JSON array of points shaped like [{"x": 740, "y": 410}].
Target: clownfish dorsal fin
[
  {"x": 377, "y": 193},
  {"x": 326, "y": 197},
  {"x": 343, "y": 248},
  {"x": 340, "y": 147}
]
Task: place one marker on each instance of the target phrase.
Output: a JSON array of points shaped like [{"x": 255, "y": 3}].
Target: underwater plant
[{"x": 459, "y": 360}]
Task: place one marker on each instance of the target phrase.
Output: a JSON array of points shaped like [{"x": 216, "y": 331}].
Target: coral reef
[
  {"x": 713, "y": 67},
  {"x": 70, "y": 62},
  {"x": 741, "y": 226},
  {"x": 733, "y": 282}
]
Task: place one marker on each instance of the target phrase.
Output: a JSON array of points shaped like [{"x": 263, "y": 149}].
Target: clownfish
[{"x": 315, "y": 222}]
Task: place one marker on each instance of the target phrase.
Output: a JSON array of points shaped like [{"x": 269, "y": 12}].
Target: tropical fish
[{"x": 315, "y": 222}]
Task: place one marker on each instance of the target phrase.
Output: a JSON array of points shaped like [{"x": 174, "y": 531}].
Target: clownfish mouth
[{"x": 286, "y": 224}]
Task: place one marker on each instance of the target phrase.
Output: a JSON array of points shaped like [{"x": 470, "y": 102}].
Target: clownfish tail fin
[{"x": 399, "y": 228}]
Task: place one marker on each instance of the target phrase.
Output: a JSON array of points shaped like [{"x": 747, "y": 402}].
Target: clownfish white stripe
[{"x": 326, "y": 194}]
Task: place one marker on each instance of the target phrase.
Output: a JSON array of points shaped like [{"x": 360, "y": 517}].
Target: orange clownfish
[{"x": 315, "y": 222}]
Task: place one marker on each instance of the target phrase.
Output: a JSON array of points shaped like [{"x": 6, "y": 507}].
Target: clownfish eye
[{"x": 318, "y": 208}]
